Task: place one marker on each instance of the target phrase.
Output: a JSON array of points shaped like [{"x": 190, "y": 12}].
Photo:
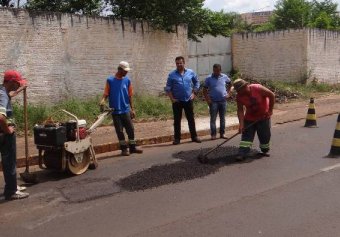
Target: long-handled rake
[{"x": 203, "y": 157}]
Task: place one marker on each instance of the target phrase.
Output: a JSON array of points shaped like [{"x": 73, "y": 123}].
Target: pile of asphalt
[{"x": 187, "y": 168}]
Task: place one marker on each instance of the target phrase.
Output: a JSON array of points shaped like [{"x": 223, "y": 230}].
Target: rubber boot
[
  {"x": 134, "y": 149},
  {"x": 125, "y": 151}
]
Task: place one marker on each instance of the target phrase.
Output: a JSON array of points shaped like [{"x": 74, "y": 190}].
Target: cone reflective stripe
[
  {"x": 311, "y": 116},
  {"x": 335, "y": 149}
]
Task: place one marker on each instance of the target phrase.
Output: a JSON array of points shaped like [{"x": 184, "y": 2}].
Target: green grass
[
  {"x": 299, "y": 90},
  {"x": 148, "y": 106}
]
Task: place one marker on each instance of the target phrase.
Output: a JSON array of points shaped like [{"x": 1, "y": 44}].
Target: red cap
[{"x": 12, "y": 75}]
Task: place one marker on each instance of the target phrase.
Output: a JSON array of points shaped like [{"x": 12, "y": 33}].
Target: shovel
[
  {"x": 203, "y": 157},
  {"x": 27, "y": 176}
]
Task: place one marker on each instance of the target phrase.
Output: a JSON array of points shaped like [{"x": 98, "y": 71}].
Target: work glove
[{"x": 102, "y": 108}]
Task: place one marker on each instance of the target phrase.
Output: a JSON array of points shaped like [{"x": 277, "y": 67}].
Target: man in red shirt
[{"x": 258, "y": 102}]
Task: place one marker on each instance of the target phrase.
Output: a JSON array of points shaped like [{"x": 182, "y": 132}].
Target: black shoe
[
  {"x": 125, "y": 153},
  {"x": 176, "y": 142},
  {"x": 262, "y": 154},
  {"x": 136, "y": 150},
  {"x": 196, "y": 139},
  {"x": 223, "y": 136},
  {"x": 240, "y": 158}
]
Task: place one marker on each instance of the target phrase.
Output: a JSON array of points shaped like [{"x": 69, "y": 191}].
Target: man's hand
[
  {"x": 192, "y": 96},
  {"x": 269, "y": 113},
  {"x": 173, "y": 100},
  {"x": 102, "y": 105},
  {"x": 101, "y": 108},
  {"x": 15, "y": 93},
  {"x": 208, "y": 101},
  {"x": 240, "y": 128},
  {"x": 11, "y": 129},
  {"x": 132, "y": 114}
]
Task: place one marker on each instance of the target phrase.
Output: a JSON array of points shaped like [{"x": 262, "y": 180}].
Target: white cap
[{"x": 125, "y": 66}]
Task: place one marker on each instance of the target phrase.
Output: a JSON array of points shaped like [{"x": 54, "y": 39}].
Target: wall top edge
[{"x": 305, "y": 30}]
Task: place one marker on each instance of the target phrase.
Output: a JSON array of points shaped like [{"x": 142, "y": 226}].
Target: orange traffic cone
[
  {"x": 335, "y": 149},
  {"x": 311, "y": 116}
]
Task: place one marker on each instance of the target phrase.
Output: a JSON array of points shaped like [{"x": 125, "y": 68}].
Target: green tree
[
  {"x": 160, "y": 14},
  {"x": 89, "y": 7},
  {"x": 4, "y": 3},
  {"x": 302, "y": 13},
  {"x": 324, "y": 15},
  {"x": 291, "y": 14},
  {"x": 323, "y": 21}
]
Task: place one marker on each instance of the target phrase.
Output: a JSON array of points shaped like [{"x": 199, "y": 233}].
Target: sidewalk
[{"x": 105, "y": 140}]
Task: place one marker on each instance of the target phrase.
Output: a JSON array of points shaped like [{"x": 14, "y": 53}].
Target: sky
[{"x": 242, "y": 6}]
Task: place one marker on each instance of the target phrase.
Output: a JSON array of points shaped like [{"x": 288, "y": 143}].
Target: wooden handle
[{"x": 26, "y": 128}]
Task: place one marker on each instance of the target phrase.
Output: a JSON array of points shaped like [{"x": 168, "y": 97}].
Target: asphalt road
[{"x": 295, "y": 192}]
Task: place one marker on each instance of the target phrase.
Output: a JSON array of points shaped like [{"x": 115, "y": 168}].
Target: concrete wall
[
  {"x": 203, "y": 55},
  {"x": 293, "y": 55},
  {"x": 323, "y": 61},
  {"x": 277, "y": 55},
  {"x": 65, "y": 55}
]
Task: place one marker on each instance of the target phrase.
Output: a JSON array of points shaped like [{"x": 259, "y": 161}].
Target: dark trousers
[
  {"x": 262, "y": 128},
  {"x": 177, "y": 109},
  {"x": 214, "y": 109},
  {"x": 9, "y": 161},
  {"x": 121, "y": 121}
]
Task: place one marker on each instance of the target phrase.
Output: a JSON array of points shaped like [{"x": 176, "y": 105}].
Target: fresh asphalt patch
[{"x": 187, "y": 168}]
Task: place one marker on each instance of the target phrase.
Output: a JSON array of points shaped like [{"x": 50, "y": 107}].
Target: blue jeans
[
  {"x": 9, "y": 162},
  {"x": 220, "y": 108}
]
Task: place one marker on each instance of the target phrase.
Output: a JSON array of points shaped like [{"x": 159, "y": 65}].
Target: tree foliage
[
  {"x": 302, "y": 13},
  {"x": 89, "y": 7},
  {"x": 4, "y": 3},
  {"x": 161, "y": 14}
]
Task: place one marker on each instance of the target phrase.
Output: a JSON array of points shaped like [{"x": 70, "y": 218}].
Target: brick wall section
[
  {"x": 291, "y": 55},
  {"x": 277, "y": 55},
  {"x": 323, "y": 62},
  {"x": 65, "y": 55}
]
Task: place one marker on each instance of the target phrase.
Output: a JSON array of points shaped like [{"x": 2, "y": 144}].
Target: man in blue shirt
[
  {"x": 13, "y": 83},
  {"x": 181, "y": 86},
  {"x": 216, "y": 91}
]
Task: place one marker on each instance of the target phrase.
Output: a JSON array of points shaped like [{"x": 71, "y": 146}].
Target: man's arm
[
  {"x": 15, "y": 93},
  {"x": 240, "y": 115},
  {"x": 206, "y": 95},
  {"x": 268, "y": 93},
  {"x": 130, "y": 92},
  {"x": 196, "y": 86},
  {"x": 104, "y": 97},
  {"x": 168, "y": 90},
  {"x": 4, "y": 125}
]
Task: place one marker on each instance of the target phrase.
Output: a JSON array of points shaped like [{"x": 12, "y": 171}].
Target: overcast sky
[{"x": 242, "y": 6}]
